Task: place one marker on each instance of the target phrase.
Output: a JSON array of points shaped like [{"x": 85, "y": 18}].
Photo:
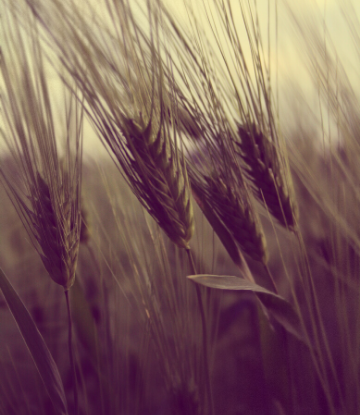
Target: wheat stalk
[{"x": 47, "y": 192}]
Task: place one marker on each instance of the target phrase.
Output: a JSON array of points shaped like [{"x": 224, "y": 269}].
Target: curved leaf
[
  {"x": 37, "y": 346},
  {"x": 279, "y": 308}
]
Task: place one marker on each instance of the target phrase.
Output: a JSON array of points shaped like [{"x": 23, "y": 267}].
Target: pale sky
[{"x": 291, "y": 56}]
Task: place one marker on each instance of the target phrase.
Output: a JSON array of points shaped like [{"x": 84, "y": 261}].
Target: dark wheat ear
[
  {"x": 47, "y": 192},
  {"x": 57, "y": 232},
  {"x": 233, "y": 207},
  {"x": 158, "y": 176},
  {"x": 135, "y": 113},
  {"x": 272, "y": 185}
]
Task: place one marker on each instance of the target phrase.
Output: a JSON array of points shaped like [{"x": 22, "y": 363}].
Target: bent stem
[
  {"x": 71, "y": 353},
  {"x": 271, "y": 278},
  {"x": 204, "y": 336}
]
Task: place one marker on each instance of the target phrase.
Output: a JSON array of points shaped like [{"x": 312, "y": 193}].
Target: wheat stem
[
  {"x": 204, "y": 336},
  {"x": 319, "y": 332},
  {"x": 71, "y": 353},
  {"x": 271, "y": 278}
]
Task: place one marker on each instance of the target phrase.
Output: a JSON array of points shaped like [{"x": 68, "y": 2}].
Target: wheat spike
[
  {"x": 57, "y": 232},
  {"x": 233, "y": 207},
  {"x": 46, "y": 192},
  {"x": 267, "y": 175},
  {"x": 135, "y": 117},
  {"x": 159, "y": 179}
]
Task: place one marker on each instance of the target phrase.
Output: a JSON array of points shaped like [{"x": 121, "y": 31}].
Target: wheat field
[{"x": 207, "y": 262}]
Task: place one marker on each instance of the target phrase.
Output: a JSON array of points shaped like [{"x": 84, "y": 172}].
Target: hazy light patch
[{"x": 288, "y": 57}]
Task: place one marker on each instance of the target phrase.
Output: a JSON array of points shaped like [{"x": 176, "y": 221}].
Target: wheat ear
[
  {"x": 272, "y": 184},
  {"x": 233, "y": 207},
  {"x": 47, "y": 194},
  {"x": 57, "y": 233},
  {"x": 159, "y": 179}
]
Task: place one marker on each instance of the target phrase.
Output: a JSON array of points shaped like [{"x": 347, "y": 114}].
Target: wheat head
[
  {"x": 233, "y": 207},
  {"x": 46, "y": 192},
  {"x": 57, "y": 232},
  {"x": 264, "y": 169},
  {"x": 135, "y": 112},
  {"x": 159, "y": 179}
]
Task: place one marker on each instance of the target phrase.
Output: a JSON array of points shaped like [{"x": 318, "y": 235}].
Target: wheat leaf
[
  {"x": 280, "y": 309},
  {"x": 40, "y": 353}
]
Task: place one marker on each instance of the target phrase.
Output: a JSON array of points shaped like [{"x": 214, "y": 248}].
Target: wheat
[
  {"x": 57, "y": 233},
  {"x": 135, "y": 118},
  {"x": 267, "y": 175},
  {"x": 47, "y": 191},
  {"x": 233, "y": 206},
  {"x": 139, "y": 116},
  {"x": 160, "y": 181}
]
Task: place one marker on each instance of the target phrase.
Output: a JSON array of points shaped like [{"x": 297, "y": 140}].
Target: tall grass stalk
[{"x": 46, "y": 189}]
